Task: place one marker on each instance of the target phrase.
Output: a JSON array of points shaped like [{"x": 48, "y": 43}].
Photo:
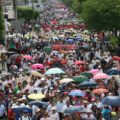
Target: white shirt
[
  {"x": 54, "y": 116},
  {"x": 2, "y": 110},
  {"x": 60, "y": 107},
  {"x": 25, "y": 118}
]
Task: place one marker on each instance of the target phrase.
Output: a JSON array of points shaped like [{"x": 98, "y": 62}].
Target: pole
[{"x": 15, "y": 8}]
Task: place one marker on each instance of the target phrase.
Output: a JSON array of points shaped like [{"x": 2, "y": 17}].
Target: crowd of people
[{"x": 48, "y": 79}]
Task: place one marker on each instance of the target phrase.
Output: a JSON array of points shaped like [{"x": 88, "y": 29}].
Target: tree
[
  {"x": 27, "y": 13},
  {"x": 102, "y": 14},
  {"x": 1, "y": 22}
]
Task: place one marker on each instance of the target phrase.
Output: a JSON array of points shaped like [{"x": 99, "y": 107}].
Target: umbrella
[
  {"x": 79, "y": 62},
  {"x": 28, "y": 57},
  {"x": 111, "y": 100},
  {"x": 39, "y": 103},
  {"x": 116, "y": 58},
  {"x": 35, "y": 73},
  {"x": 80, "y": 78},
  {"x": 99, "y": 90},
  {"x": 77, "y": 93},
  {"x": 88, "y": 84},
  {"x": 36, "y": 96},
  {"x": 54, "y": 71},
  {"x": 66, "y": 80},
  {"x": 101, "y": 76},
  {"x": 70, "y": 41},
  {"x": 11, "y": 52},
  {"x": 5, "y": 74},
  {"x": 37, "y": 66},
  {"x": 87, "y": 74},
  {"x": 94, "y": 71},
  {"x": 54, "y": 52},
  {"x": 113, "y": 72},
  {"x": 74, "y": 109},
  {"x": 21, "y": 109}
]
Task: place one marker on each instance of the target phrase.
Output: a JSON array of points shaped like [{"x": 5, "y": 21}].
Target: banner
[{"x": 63, "y": 47}]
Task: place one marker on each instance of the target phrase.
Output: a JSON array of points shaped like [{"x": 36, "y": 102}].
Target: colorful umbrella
[
  {"x": 88, "y": 84},
  {"x": 111, "y": 100},
  {"x": 79, "y": 62},
  {"x": 37, "y": 66},
  {"x": 87, "y": 74},
  {"x": 28, "y": 57},
  {"x": 36, "y": 96},
  {"x": 74, "y": 109},
  {"x": 94, "y": 71},
  {"x": 35, "y": 73},
  {"x": 101, "y": 76},
  {"x": 113, "y": 72},
  {"x": 54, "y": 71},
  {"x": 99, "y": 90},
  {"x": 66, "y": 80},
  {"x": 77, "y": 93},
  {"x": 80, "y": 78}
]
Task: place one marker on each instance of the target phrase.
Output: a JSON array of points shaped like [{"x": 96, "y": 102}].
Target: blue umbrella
[
  {"x": 21, "y": 109},
  {"x": 39, "y": 103},
  {"x": 113, "y": 72},
  {"x": 77, "y": 93},
  {"x": 88, "y": 84},
  {"x": 70, "y": 41},
  {"x": 74, "y": 109},
  {"x": 111, "y": 100}
]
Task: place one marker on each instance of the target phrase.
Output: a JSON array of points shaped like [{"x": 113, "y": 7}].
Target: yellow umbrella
[
  {"x": 35, "y": 73},
  {"x": 36, "y": 96},
  {"x": 66, "y": 80}
]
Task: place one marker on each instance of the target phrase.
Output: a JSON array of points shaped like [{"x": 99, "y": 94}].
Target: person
[
  {"x": 106, "y": 113},
  {"x": 3, "y": 60},
  {"x": 25, "y": 116},
  {"x": 53, "y": 114},
  {"x": 36, "y": 115},
  {"x": 2, "y": 110},
  {"x": 60, "y": 105},
  {"x": 45, "y": 116}
]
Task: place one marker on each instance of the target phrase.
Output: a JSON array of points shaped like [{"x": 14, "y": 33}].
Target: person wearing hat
[
  {"x": 25, "y": 116},
  {"x": 45, "y": 116},
  {"x": 53, "y": 114},
  {"x": 37, "y": 115}
]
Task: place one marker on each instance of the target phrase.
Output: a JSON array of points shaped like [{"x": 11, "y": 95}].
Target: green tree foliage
[
  {"x": 27, "y": 13},
  {"x": 1, "y": 23},
  {"x": 102, "y": 14}
]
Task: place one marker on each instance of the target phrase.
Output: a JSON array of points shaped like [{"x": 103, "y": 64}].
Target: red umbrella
[
  {"x": 99, "y": 90},
  {"x": 54, "y": 22},
  {"x": 79, "y": 62},
  {"x": 116, "y": 58}
]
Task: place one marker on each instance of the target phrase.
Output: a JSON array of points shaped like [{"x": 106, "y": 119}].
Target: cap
[
  {"x": 37, "y": 110},
  {"x": 53, "y": 108}
]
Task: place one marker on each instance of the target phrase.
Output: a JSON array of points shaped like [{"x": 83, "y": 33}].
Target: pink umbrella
[
  {"x": 94, "y": 71},
  {"x": 37, "y": 66},
  {"x": 101, "y": 76},
  {"x": 28, "y": 57}
]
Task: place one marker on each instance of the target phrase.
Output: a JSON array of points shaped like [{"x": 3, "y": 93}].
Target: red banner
[{"x": 63, "y": 47}]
